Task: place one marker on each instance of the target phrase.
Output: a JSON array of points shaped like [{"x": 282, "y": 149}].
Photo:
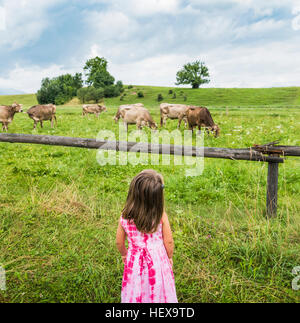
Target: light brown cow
[
  {"x": 40, "y": 113},
  {"x": 201, "y": 117},
  {"x": 173, "y": 112},
  {"x": 96, "y": 109},
  {"x": 139, "y": 116},
  {"x": 7, "y": 114},
  {"x": 127, "y": 107}
]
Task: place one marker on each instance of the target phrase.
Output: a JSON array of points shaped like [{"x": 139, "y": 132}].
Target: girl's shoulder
[{"x": 125, "y": 222}]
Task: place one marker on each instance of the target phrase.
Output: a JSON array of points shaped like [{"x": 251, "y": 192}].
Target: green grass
[
  {"x": 59, "y": 208},
  {"x": 26, "y": 99}
]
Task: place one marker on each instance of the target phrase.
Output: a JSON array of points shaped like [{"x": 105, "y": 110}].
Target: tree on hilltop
[{"x": 195, "y": 74}]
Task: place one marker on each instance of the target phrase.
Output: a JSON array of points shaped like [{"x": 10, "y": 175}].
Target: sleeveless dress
[{"x": 148, "y": 275}]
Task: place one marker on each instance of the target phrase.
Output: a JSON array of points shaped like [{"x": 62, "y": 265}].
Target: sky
[{"x": 244, "y": 43}]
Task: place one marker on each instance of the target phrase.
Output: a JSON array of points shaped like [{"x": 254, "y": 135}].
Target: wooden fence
[{"x": 270, "y": 153}]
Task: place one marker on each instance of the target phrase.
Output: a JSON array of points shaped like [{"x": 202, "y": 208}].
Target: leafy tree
[
  {"x": 120, "y": 86},
  {"x": 90, "y": 93},
  {"x": 195, "y": 73},
  {"x": 82, "y": 95},
  {"x": 97, "y": 74},
  {"x": 59, "y": 90},
  {"x": 99, "y": 77},
  {"x": 111, "y": 91}
]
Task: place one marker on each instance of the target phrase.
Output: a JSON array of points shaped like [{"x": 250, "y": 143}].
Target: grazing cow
[
  {"x": 40, "y": 113},
  {"x": 7, "y": 114},
  {"x": 96, "y": 109},
  {"x": 127, "y": 107},
  {"x": 201, "y": 117},
  {"x": 139, "y": 116},
  {"x": 173, "y": 112}
]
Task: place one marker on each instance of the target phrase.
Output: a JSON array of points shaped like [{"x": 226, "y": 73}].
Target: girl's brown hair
[{"x": 145, "y": 201}]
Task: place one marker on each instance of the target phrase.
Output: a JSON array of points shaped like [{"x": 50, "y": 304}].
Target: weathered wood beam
[{"x": 223, "y": 153}]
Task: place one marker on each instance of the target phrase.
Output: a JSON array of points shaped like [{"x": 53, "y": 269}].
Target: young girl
[{"x": 148, "y": 275}]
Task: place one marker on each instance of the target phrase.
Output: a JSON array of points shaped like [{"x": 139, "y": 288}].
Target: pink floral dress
[{"x": 148, "y": 275}]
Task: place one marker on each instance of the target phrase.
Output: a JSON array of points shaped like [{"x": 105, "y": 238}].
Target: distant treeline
[{"x": 100, "y": 83}]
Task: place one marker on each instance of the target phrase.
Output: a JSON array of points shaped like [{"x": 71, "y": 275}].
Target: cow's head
[
  {"x": 117, "y": 117},
  {"x": 17, "y": 107},
  {"x": 216, "y": 129},
  {"x": 153, "y": 126},
  {"x": 102, "y": 108}
]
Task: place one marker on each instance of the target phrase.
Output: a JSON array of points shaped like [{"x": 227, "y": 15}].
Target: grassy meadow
[{"x": 59, "y": 208}]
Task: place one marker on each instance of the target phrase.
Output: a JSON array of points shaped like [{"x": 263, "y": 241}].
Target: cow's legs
[
  {"x": 164, "y": 121},
  {"x": 34, "y": 125},
  {"x": 179, "y": 122},
  {"x": 126, "y": 126},
  {"x": 41, "y": 122},
  {"x": 186, "y": 121}
]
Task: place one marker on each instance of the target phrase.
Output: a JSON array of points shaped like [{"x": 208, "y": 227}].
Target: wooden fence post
[{"x": 272, "y": 190}]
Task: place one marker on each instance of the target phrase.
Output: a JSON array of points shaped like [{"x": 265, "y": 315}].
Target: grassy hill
[
  {"x": 275, "y": 97},
  {"x": 26, "y": 99}
]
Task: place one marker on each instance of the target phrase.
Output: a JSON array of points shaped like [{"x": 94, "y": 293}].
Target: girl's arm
[
  {"x": 167, "y": 236},
  {"x": 120, "y": 241}
]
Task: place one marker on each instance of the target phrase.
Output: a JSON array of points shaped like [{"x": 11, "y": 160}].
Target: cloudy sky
[{"x": 245, "y": 43}]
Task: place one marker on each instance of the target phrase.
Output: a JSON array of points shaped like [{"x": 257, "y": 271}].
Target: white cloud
[
  {"x": 2, "y": 19},
  {"x": 28, "y": 79},
  {"x": 25, "y": 21},
  {"x": 143, "y": 7},
  {"x": 150, "y": 7},
  {"x": 110, "y": 25},
  {"x": 244, "y": 43}
]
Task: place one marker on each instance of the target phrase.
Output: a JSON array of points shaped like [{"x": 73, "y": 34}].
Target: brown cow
[
  {"x": 96, "y": 109},
  {"x": 40, "y": 113},
  {"x": 139, "y": 116},
  {"x": 7, "y": 114},
  {"x": 127, "y": 107},
  {"x": 201, "y": 117},
  {"x": 173, "y": 112}
]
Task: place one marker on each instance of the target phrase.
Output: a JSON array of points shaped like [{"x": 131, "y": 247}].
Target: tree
[
  {"x": 99, "y": 77},
  {"x": 195, "y": 73},
  {"x": 59, "y": 90},
  {"x": 90, "y": 94},
  {"x": 97, "y": 74}
]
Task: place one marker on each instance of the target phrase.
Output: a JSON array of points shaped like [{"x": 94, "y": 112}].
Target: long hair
[{"x": 145, "y": 201}]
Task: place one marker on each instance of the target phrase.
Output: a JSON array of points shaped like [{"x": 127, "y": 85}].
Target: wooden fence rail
[{"x": 270, "y": 153}]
